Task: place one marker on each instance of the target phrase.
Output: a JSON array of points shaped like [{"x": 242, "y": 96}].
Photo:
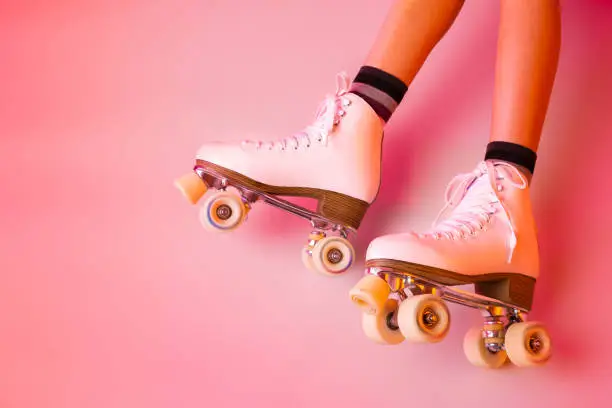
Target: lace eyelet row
[{"x": 341, "y": 102}]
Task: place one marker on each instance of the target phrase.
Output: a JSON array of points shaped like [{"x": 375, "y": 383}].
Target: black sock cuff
[
  {"x": 389, "y": 84},
  {"x": 513, "y": 153}
]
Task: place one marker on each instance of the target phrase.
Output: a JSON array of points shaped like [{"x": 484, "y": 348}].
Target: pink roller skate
[
  {"x": 335, "y": 160},
  {"x": 489, "y": 241}
]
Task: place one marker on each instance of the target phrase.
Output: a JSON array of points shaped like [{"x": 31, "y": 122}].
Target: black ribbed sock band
[
  {"x": 381, "y": 90},
  {"x": 513, "y": 153}
]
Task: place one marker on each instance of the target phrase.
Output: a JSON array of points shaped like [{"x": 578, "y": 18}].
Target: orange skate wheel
[
  {"x": 478, "y": 354},
  {"x": 377, "y": 326},
  {"x": 370, "y": 294},
  {"x": 528, "y": 344},
  {"x": 192, "y": 187}
]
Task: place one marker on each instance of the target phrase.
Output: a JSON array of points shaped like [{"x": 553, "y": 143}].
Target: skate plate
[
  {"x": 398, "y": 281},
  {"x": 251, "y": 196}
]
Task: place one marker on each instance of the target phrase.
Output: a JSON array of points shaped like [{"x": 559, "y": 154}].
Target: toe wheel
[
  {"x": 477, "y": 352},
  {"x": 307, "y": 258},
  {"x": 222, "y": 211},
  {"x": 370, "y": 294},
  {"x": 528, "y": 344},
  {"x": 313, "y": 238},
  {"x": 192, "y": 187},
  {"x": 423, "y": 319},
  {"x": 382, "y": 326},
  {"x": 332, "y": 255}
]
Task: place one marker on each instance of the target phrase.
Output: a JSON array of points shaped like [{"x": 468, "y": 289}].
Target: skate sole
[
  {"x": 494, "y": 289},
  {"x": 332, "y": 207}
]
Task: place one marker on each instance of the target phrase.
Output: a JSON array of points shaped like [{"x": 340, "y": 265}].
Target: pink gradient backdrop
[{"x": 113, "y": 296}]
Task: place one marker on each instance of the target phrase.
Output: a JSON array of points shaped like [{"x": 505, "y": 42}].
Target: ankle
[{"x": 379, "y": 89}]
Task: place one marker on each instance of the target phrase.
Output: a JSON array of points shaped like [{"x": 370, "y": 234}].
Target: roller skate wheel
[
  {"x": 307, "y": 258},
  {"x": 316, "y": 236},
  {"x": 477, "y": 352},
  {"x": 382, "y": 327},
  {"x": 370, "y": 294},
  {"x": 528, "y": 344},
  {"x": 332, "y": 255},
  {"x": 423, "y": 319},
  {"x": 222, "y": 212},
  {"x": 191, "y": 186}
]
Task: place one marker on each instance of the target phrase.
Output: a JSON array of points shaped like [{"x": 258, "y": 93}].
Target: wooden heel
[
  {"x": 514, "y": 289},
  {"x": 346, "y": 210}
]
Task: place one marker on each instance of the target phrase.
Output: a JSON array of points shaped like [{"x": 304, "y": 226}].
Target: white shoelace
[
  {"x": 481, "y": 207},
  {"x": 327, "y": 116}
]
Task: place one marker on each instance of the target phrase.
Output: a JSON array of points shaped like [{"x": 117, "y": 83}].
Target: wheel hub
[
  {"x": 535, "y": 344},
  {"x": 430, "y": 318},
  {"x": 392, "y": 321},
  {"x": 224, "y": 212},
  {"x": 334, "y": 256},
  {"x": 493, "y": 347}
]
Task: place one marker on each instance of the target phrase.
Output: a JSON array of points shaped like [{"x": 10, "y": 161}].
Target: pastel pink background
[{"x": 112, "y": 295}]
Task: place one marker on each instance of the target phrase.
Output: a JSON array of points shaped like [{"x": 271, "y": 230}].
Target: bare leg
[
  {"x": 527, "y": 59},
  {"x": 409, "y": 33}
]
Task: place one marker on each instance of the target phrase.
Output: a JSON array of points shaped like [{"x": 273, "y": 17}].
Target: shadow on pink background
[{"x": 113, "y": 296}]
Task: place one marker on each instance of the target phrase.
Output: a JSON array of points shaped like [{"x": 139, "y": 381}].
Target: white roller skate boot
[
  {"x": 336, "y": 160},
  {"x": 489, "y": 240}
]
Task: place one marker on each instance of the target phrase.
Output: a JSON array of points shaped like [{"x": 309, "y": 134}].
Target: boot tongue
[{"x": 478, "y": 194}]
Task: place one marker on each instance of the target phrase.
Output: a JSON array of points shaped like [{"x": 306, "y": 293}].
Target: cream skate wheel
[
  {"x": 192, "y": 187},
  {"x": 528, "y": 344},
  {"x": 370, "y": 294},
  {"x": 307, "y": 258},
  {"x": 423, "y": 319},
  {"x": 333, "y": 255},
  {"x": 381, "y": 327},
  {"x": 477, "y": 352},
  {"x": 222, "y": 212},
  {"x": 316, "y": 236}
]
